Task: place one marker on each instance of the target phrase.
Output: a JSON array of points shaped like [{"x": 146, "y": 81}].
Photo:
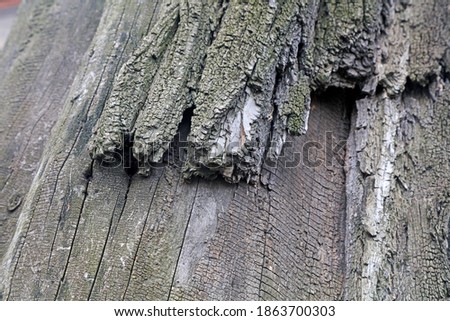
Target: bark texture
[{"x": 330, "y": 119}]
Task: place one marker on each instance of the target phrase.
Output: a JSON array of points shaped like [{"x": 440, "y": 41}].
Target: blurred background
[{"x": 8, "y": 9}]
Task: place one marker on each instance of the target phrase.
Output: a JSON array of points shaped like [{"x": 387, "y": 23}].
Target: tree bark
[{"x": 225, "y": 150}]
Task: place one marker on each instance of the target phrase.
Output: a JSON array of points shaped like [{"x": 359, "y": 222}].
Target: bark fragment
[
  {"x": 233, "y": 102},
  {"x": 130, "y": 89}
]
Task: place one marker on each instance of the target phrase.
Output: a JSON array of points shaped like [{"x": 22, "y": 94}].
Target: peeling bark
[{"x": 330, "y": 118}]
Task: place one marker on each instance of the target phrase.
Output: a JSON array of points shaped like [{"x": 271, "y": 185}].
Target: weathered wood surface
[{"x": 322, "y": 219}]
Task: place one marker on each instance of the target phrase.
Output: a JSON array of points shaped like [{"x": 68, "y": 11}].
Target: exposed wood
[
  {"x": 38, "y": 68},
  {"x": 328, "y": 118}
]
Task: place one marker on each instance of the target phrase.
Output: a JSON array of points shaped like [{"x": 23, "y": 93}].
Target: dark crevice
[
  {"x": 176, "y": 155},
  {"x": 339, "y": 96},
  {"x": 87, "y": 173},
  {"x": 386, "y": 18},
  {"x": 445, "y": 68},
  {"x": 185, "y": 125},
  {"x": 379, "y": 89},
  {"x": 417, "y": 89},
  {"x": 130, "y": 163},
  {"x": 275, "y": 113},
  {"x": 120, "y": 158}
]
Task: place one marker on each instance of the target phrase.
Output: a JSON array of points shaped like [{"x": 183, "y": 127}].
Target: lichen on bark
[
  {"x": 222, "y": 61},
  {"x": 130, "y": 89},
  {"x": 247, "y": 70}
]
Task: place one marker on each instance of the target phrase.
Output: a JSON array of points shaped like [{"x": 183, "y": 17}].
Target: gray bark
[{"x": 308, "y": 155}]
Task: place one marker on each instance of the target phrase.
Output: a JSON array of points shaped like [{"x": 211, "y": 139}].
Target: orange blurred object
[{"x": 8, "y": 3}]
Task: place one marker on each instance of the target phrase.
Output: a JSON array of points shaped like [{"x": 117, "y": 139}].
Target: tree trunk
[{"x": 225, "y": 150}]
